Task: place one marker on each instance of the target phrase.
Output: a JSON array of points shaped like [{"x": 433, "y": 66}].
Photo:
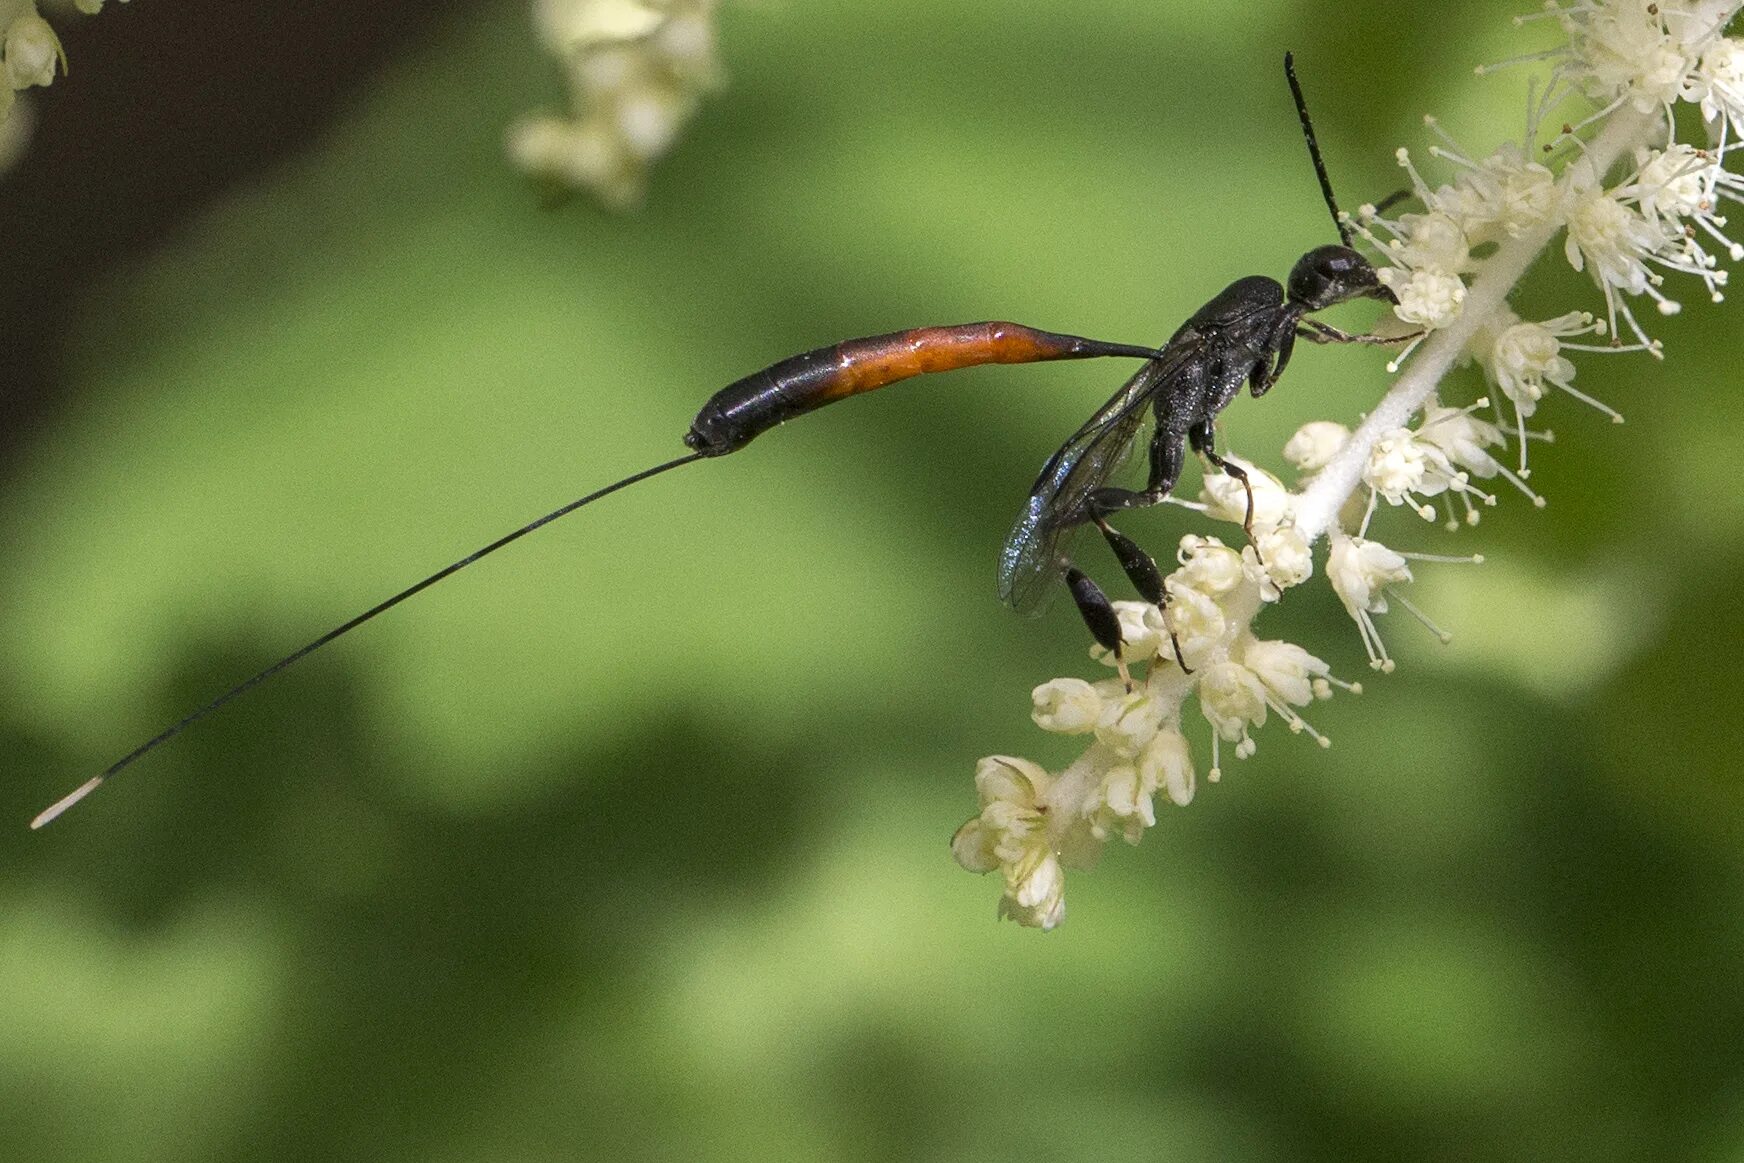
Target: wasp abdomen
[{"x": 746, "y": 408}]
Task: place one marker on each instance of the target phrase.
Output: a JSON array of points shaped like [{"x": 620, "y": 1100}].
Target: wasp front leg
[
  {"x": 1315, "y": 331},
  {"x": 1203, "y": 437}
]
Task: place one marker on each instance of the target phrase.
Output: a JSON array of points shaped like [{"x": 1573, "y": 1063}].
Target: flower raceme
[{"x": 1633, "y": 207}]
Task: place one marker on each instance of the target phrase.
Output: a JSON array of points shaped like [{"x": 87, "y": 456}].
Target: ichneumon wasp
[{"x": 1244, "y": 335}]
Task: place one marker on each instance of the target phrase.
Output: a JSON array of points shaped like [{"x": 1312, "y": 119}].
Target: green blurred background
[{"x": 631, "y": 843}]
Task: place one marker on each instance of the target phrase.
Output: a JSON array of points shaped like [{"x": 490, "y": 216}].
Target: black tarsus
[{"x": 344, "y": 628}]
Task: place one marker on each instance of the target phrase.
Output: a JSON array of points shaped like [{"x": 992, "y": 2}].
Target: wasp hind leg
[
  {"x": 1141, "y": 569},
  {"x": 1098, "y": 614}
]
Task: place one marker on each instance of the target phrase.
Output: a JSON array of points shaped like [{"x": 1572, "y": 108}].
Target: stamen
[
  {"x": 1410, "y": 608},
  {"x": 1616, "y": 416},
  {"x": 1398, "y": 361},
  {"x": 1443, "y": 558}
]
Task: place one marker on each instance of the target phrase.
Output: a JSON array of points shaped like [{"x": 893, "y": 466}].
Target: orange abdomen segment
[
  {"x": 871, "y": 363},
  {"x": 746, "y": 408}
]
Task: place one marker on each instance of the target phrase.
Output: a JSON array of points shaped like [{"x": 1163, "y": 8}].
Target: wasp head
[{"x": 1329, "y": 275}]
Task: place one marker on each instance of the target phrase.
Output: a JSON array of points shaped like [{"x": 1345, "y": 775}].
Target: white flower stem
[{"x": 1317, "y": 508}]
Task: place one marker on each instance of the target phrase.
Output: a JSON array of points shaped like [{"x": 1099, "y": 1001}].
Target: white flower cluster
[
  {"x": 30, "y": 55},
  {"x": 637, "y": 70},
  {"x": 1633, "y": 204},
  {"x": 1033, "y": 824}
]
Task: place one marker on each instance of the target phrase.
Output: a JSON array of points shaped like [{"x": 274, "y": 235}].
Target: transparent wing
[{"x": 1055, "y": 510}]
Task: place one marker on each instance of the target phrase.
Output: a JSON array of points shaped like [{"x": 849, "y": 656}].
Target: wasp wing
[{"x": 1057, "y": 505}]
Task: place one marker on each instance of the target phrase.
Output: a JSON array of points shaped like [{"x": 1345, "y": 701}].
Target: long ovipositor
[{"x": 746, "y": 408}]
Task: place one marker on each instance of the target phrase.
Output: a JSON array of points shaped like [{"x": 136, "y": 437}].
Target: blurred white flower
[
  {"x": 30, "y": 55},
  {"x": 637, "y": 70}
]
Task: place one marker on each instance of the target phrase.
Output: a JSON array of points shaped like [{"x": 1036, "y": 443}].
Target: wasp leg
[
  {"x": 1098, "y": 614},
  {"x": 1167, "y": 453},
  {"x": 1141, "y": 569},
  {"x": 1139, "y": 566},
  {"x": 1202, "y": 438},
  {"x": 1315, "y": 331}
]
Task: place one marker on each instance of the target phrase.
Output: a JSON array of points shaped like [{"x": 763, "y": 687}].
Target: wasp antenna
[
  {"x": 1314, "y": 148},
  {"x": 51, "y": 813}
]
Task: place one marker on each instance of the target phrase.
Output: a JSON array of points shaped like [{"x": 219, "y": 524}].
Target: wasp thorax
[{"x": 1333, "y": 274}]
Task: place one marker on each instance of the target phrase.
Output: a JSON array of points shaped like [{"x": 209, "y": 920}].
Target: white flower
[
  {"x": 1232, "y": 700},
  {"x": 1435, "y": 240},
  {"x": 1605, "y": 233},
  {"x": 1427, "y": 296},
  {"x": 1403, "y": 469},
  {"x": 1510, "y": 194},
  {"x": 1208, "y": 566},
  {"x": 1465, "y": 441},
  {"x": 1128, "y": 724},
  {"x": 1360, "y": 572},
  {"x": 1225, "y": 497},
  {"x": 1627, "y": 50},
  {"x": 1066, "y": 706},
  {"x": 1287, "y": 557},
  {"x": 1722, "y": 74},
  {"x": 571, "y": 26},
  {"x": 1315, "y": 444},
  {"x": 1195, "y": 617},
  {"x": 1285, "y": 669},
  {"x": 1116, "y": 794},
  {"x": 1011, "y": 834},
  {"x": 1613, "y": 241},
  {"x": 1524, "y": 357},
  {"x": 1496, "y": 198},
  {"x": 1290, "y": 677},
  {"x": 636, "y": 71},
  {"x": 1168, "y": 763}
]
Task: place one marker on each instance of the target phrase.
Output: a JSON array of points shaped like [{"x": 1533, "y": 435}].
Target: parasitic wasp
[{"x": 1244, "y": 335}]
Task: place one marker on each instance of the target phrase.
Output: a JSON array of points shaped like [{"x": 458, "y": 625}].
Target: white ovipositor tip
[{"x": 49, "y": 814}]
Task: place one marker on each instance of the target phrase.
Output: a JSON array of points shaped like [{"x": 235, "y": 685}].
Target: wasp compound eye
[{"x": 1332, "y": 274}]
